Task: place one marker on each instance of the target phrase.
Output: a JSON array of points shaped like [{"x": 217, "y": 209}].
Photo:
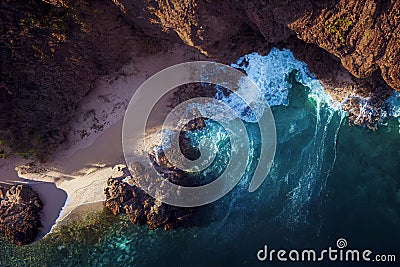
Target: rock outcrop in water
[
  {"x": 122, "y": 197},
  {"x": 19, "y": 213}
]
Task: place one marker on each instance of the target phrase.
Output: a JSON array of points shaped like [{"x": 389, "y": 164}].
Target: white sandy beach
[{"x": 77, "y": 172}]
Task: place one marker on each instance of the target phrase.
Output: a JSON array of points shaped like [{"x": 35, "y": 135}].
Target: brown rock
[
  {"x": 19, "y": 213},
  {"x": 141, "y": 208},
  {"x": 365, "y": 35}
]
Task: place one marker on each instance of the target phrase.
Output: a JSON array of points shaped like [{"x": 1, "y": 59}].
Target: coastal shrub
[{"x": 338, "y": 27}]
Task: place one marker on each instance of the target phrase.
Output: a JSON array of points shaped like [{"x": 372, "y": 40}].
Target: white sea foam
[
  {"x": 271, "y": 72},
  {"x": 393, "y": 105}
]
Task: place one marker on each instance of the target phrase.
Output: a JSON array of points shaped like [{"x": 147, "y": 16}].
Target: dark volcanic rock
[
  {"x": 19, "y": 213},
  {"x": 129, "y": 198},
  {"x": 141, "y": 208}
]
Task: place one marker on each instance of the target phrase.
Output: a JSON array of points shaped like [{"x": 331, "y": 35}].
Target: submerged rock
[{"x": 19, "y": 213}]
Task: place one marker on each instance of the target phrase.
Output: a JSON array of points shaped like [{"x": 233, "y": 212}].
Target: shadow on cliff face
[
  {"x": 332, "y": 37},
  {"x": 39, "y": 63},
  {"x": 223, "y": 30}
]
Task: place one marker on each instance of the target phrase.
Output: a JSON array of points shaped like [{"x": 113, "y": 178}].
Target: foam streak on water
[{"x": 305, "y": 177}]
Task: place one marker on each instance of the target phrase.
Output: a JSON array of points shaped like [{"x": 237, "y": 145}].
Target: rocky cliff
[
  {"x": 352, "y": 46},
  {"x": 53, "y": 51},
  {"x": 364, "y": 35}
]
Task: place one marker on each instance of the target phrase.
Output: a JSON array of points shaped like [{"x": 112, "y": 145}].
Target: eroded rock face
[
  {"x": 364, "y": 35},
  {"x": 353, "y": 47},
  {"x": 19, "y": 213}
]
